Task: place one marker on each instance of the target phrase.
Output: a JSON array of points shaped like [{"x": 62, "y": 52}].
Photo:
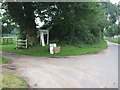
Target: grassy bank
[
  {"x": 66, "y": 50},
  {"x": 13, "y": 81},
  {"x": 114, "y": 40},
  {"x": 3, "y": 60},
  {"x": 10, "y": 80}
]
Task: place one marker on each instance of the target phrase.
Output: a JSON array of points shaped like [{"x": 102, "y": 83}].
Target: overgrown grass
[
  {"x": 114, "y": 40},
  {"x": 3, "y": 60},
  {"x": 12, "y": 81},
  {"x": 66, "y": 50}
]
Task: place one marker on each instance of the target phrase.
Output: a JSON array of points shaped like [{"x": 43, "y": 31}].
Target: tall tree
[
  {"x": 112, "y": 30},
  {"x": 112, "y": 10},
  {"x": 76, "y": 22},
  {"x": 23, "y": 14},
  {"x": 67, "y": 22},
  {"x": 119, "y": 18}
]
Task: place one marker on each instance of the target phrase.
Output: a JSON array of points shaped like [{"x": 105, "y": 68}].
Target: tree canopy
[
  {"x": 113, "y": 17},
  {"x": 75, "y": 22},
  {"x": 67, "y": 22}
]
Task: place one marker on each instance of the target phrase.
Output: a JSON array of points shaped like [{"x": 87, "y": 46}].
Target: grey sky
[{"x": 114, "y": 1}]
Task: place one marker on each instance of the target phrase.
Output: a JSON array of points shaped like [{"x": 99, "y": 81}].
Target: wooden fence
[
  {"x": 8, "y": 40},
  {"x": 21, "y": 44}
]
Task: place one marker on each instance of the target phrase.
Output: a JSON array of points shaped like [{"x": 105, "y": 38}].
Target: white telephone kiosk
[{"x": 42, "y": 37}]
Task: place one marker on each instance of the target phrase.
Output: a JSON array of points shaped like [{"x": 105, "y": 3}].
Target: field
[{"x": 114, "y": 40}]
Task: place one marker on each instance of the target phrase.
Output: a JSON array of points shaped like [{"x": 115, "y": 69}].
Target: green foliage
[
  {"x": 119, "y": 18},
  {"x": 111, "y": 11},
  {"x": 7, "y": 24},
  {"x": 24, "y": 16},
  {"x": 112, "y": 31},
  {"x": 76, "y": 22},
  {"x": 67, "y": 22}
]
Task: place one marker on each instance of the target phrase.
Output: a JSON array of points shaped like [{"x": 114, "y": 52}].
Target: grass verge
[
  {"x": 114, "y": 40},
  {"x": 13, "y": 81},
  {"x": 3, "y": 60},
  {"x": 66, "y": 50}
]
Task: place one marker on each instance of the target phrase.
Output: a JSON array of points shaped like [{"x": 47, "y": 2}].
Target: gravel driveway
[{"x": 87, "y": 71}]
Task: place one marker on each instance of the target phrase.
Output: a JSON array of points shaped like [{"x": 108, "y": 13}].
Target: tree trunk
[
  {"x": 31, "y": 36},
  {"x": 32, "y": 40}
]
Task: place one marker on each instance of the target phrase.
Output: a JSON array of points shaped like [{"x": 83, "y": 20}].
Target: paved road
[{"x": 87, "y": 71}]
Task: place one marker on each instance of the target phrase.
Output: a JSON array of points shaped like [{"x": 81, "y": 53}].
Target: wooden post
[
  {"x": 16, "y": 43},
  {"x": 3, "y": 41},
  {"x": 47, "y": 37},
  {"x": 7, "y": 40},
  {"x": 26, "y": 43},
  {"x": 11, "y": 40},
  {"x": 21, "y": 43}
]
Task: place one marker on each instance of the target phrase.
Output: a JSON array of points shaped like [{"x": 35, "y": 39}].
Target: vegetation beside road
[
  {"x": 12, "y": 81},
  {"x": 66, "y": 50},
  {"x": 3, "y": 60},
  {"x": 114, "y": 40}
]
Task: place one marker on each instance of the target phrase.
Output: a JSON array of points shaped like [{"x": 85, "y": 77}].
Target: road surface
[{"x": 87, "y": 71}]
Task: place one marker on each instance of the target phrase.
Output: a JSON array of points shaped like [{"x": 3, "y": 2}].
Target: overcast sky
[{"x": 114, "y": 1}]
